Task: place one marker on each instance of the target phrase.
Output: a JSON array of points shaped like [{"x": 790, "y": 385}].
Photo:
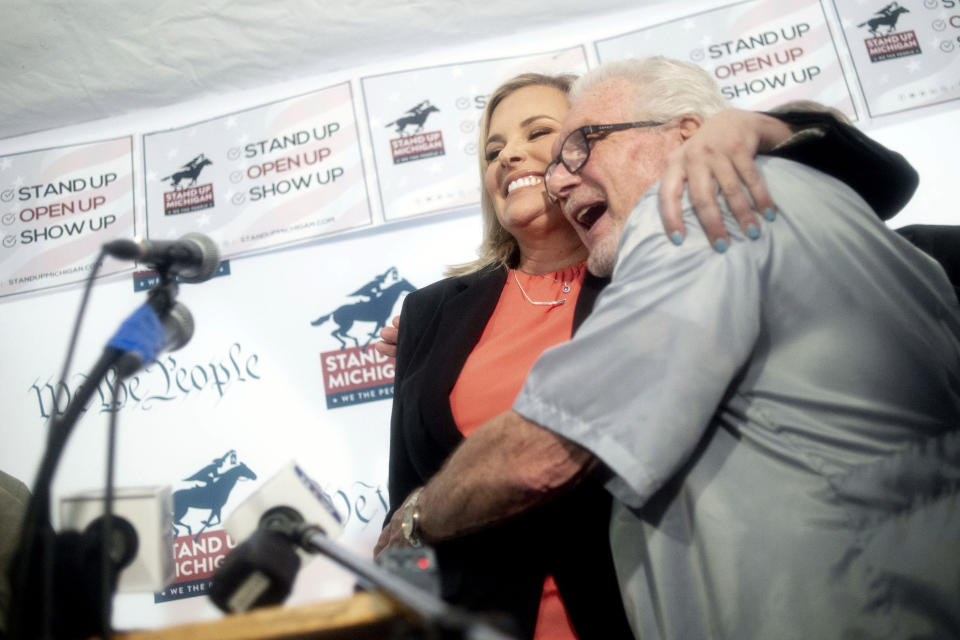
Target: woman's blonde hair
[{"x": 498, "y": 247}]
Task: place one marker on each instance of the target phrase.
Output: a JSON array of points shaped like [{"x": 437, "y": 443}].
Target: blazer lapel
[{"x": 592, "y": 286}]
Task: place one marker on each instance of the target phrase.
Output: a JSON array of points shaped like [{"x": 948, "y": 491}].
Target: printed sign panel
[
  {"x": 424, "y": 126},
  {"x": 57, "y": 207},
  {"x": 250, "y": 392},
  {"x": 906, "y": 54},
  {"x": 260, "y": 178},
  {"x": 761, "y": 53}
]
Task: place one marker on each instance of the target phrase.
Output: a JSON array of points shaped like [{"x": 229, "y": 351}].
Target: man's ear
[{"x": 688, "y": 125}]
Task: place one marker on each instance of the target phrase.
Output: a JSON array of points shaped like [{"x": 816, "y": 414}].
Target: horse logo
[
  {"x": 212, "y": 492},
  {"x": 211, "y": 472},
  {"x": 191, "y": 171},
  {"x": 886, "y": 17},
  {"x": 382, "y": 293},
  {"x": 418, "y": 116}
]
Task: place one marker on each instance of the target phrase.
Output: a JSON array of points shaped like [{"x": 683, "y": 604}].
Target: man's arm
[{"x": 506, "y": 467}]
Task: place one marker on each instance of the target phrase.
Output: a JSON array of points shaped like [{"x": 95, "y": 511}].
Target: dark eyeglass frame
[{"x": 565, "y": 157}]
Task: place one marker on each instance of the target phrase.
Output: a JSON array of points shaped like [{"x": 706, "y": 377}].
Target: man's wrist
[{"x": 410, "y": 518}]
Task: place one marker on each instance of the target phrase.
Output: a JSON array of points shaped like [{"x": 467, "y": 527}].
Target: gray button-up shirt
[{"x": 781, "y": 422}]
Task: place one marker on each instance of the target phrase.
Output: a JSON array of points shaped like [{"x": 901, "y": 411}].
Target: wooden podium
[{"x": 366, "y": 615}]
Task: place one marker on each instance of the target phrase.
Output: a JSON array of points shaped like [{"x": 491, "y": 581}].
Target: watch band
[{"x": 410, "y": 522}]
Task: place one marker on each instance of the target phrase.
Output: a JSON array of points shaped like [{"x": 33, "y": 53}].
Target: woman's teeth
[{"x": 527, "y": 181}]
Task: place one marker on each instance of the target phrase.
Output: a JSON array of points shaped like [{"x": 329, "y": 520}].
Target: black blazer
[{"x": 502, "y": 569}]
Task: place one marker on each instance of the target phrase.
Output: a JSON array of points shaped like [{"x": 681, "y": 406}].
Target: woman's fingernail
[
  {"x": 753, "y": 231},
  {"x": 677, "y": 238},
  {"x": 720, "y": 246},
  {"x": 769, "y": 214}
]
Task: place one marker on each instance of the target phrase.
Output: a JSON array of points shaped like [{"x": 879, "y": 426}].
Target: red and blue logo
[
  {"x": 356, "y": 372},
  {"x": 197, "y": 552}
]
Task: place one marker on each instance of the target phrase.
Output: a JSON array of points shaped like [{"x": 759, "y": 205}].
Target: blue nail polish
[
  {"x": 720, "y": 246},
  {"x": 677, "y": 238},
  {"x": 769, "y": 214},
  {"x": 752, "y": 231}
]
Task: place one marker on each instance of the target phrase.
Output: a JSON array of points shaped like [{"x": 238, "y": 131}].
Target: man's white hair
[{"x": 665, "y": 88}]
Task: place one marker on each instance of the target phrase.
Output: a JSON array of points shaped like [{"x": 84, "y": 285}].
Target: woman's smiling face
[{"x": 517, "y": 150}]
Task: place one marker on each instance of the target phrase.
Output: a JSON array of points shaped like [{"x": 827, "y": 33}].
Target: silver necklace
[
  {"x": 548, "y": 303},
  {"x": 566, "y": 287}
]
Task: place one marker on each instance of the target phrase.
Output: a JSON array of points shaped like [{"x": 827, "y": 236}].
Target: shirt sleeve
[{"x": 640, "y": 382}]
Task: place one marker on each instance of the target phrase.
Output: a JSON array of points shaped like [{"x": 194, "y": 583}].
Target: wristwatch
[{"x": 410, "y": 520}]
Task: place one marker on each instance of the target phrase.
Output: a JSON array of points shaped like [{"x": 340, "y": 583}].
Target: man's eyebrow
[{"x": 526, "y": 122}]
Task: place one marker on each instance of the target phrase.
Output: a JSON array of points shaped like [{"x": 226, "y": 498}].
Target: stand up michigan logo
[
  {"x": 886, "y": 43},
  {"x": 357, "y": 373},
  {"x": 187, "y": 195},
  {"x": 199, "y": 550},
  {"x": 413, "y": 143}
]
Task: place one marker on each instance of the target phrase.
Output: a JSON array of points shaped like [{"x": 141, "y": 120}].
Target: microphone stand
[
  {"x": 449, "y": 620},
  {"x": 427, "y": 606},
  {"x": 34, "y": 572}
]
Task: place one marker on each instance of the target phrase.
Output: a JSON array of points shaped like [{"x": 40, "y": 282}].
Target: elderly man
[{"x": 779, "y": 423}]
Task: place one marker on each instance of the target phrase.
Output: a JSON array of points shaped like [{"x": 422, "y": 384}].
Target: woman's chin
[
  {"x": 540, "y": 226},
  {"x": 525, "y": 208}
]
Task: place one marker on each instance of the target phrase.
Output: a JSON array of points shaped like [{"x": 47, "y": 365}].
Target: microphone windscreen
[
  {"x": 258, "y": 573},
  {"x": 179, "y": 326},
  {"x": 289, "y": 487},
  {"x": 210, "y": 257}
]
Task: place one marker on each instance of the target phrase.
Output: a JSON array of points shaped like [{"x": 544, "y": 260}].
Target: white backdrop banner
[
  {"x": 761, "y": 53},
  {"x": 424, "y": 128},
  {"x": 281, "y": 365},
  {"x": 262, "y": 177},
  {"x": 906, "y": 54},
  {"x": 57, "y": 206},
  {"x": 261, "y": 383}
]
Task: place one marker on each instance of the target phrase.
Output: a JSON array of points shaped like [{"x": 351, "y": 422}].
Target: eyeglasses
[{"x": 575, "y": 150}]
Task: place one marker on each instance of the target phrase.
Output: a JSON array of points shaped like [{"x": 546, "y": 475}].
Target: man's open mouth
[{"x": 589, "y": 215}]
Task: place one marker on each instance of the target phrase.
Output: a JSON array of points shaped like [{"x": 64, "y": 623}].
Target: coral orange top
[{"x": 516, "y": 334}]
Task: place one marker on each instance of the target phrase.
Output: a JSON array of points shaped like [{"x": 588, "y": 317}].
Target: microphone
[
  {"x": 291, "y": 515},
  {"x": 145, "y": 334},
  {"x": 272, "y": 522},
  {"x": 141, "y": 532},
  {"x": 292, "y": 488},
  {"x": 194, "y": 257},
  {"x": 262, "y": 569}
]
